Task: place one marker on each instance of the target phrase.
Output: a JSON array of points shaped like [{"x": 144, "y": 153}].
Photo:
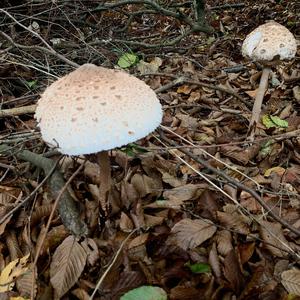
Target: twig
[
  {"x": 226, "y": 6},
  {"x": 38, "y": 250},
  {"x": 167, "y": 12},
  {"x": 170, "y": 85},
  {"x": 23, "y": 202},
  {"x": 50, "y": 51},
  {"x": 209, "y": 86},
  {"x": 142, "y": 44},
  {"x": 243, "y": 209},
  {"x": 16, "y": 111},
  {"x": 111, "y": 265},
  {"x": 236, "y": 184}
]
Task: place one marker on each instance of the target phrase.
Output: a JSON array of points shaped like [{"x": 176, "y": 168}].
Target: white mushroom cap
[
  {"x": 269, "y": 41},
  {"x": 94, "y": 109}
]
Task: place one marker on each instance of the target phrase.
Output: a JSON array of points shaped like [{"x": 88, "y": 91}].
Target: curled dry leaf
[
  {"x": 66, "y": 266},
  {"x": 24, "y": 283},
  {"x": 189, "y": 234},
  {"x": 151, "y": 221},
  {"x": 92, "y": 171},
  {"x": 232, "y": 271},
  {"x": 137, "y": 247},
  {"x": 214, "y": 261},
  {"x": 81, "y": 294},
  {"x": 274, "y": 239},
  {"x": 224, "y": 242},
  {"x": 175, "y": 197},
  {"x": 53, "y": 238},
  {"x": 183, "y": 193},
  {"x": 126, "y": 224},
  {"x": 146, "y": 185},
  {"x": 234, "y": 220},
  {"x": 13, "y": 270},
  {"x": 291, "y": 281},
  {"x": 91, "y": 249}
]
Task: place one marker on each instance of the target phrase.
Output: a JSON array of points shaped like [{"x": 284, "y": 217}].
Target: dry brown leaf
[
  {"x": 224, "y": 242},
  {"x": 183, "y": 193},
  {"x": 188, "y": 121},
  {"x": 184, "y": 89},
  {"x": 137, "y": 247},
  {"x": 54, "y": 237},
  {"x": 246, "y": 251},
  {"x": 189, "y": 234},
  {"x": 151, "y": 221},
  {"x": 234, "y": 220},
  {"x": 128, "y": 193},
  {"x": 13, "y": 270},
  {"x": 290, "y": 279},
  {"x": 68, "y": 262},
  {"x": 208, "y": 204},
  {"x": 172, "y": 180},
  {"x": 146, "y": 185},
  {"x": 126, "y": 224},
  {"x": 272, "y": 234},
  {"x": 92, "y": 171},
  {"x": 232, "y": 271},
  {"x": 214, "y": 261},
  {"x": 151, "y": 67},
  {"x": 91, "y": 249},
  {"x": 81, "y": 294},
  {"x": 184, "y": 293},
  {"x": 239, "y": 154},
  {"x": 24, "y": 282}
]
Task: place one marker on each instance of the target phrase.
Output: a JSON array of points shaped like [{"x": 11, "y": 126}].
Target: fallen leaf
[
  {"x": 68, "y": 262},
  {"x": 13, "y": 270},
  {"x": 272, "y": 234},
  {"x": 189, "y": 234},
  {"x": 290, "y": 279}
]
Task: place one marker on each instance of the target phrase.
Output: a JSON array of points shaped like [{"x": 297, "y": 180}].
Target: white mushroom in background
[
  {"x": 267, "y": 44},
  {"x": 94, "y": 109}
]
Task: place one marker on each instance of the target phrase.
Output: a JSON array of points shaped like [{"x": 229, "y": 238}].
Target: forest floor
[{"x": 195, "y": 209}]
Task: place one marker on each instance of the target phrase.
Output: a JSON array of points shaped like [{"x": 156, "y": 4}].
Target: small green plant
[
  {"x": 127, "y": 60},
  {"x": 198, "y": 267}
]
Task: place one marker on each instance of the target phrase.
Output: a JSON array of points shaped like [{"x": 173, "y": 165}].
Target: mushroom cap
[
  {"x": 94, "y": 109},
  {"x": 269, "y": 41}
]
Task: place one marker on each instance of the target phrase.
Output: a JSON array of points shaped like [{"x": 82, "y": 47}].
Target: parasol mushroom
[
  {"x": 94, "y": 109},
  {"x": 268, "y": 44}
]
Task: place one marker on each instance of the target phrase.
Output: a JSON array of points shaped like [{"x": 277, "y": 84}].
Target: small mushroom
[
  {"x": 267, "y": 44},
  {"x": 94, "y": 109}
]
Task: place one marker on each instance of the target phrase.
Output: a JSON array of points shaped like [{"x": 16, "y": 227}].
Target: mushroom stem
[
  {"x": 105, "y": 179},
  {"x": 263, "y": 85}
]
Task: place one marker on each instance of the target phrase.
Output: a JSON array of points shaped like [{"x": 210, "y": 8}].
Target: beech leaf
[
  {"x": 189, "y": 234},
  {"x": 290, "y": 279},
  {"x": 67, "y": 264}
]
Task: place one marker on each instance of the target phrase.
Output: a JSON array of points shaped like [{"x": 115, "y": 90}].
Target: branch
[
  {"x": 16, "y": 111},
  {"x": 177, "y": 15},
  {"x": 50, "y": 51},
  {"x": 235, "y": 183}
]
